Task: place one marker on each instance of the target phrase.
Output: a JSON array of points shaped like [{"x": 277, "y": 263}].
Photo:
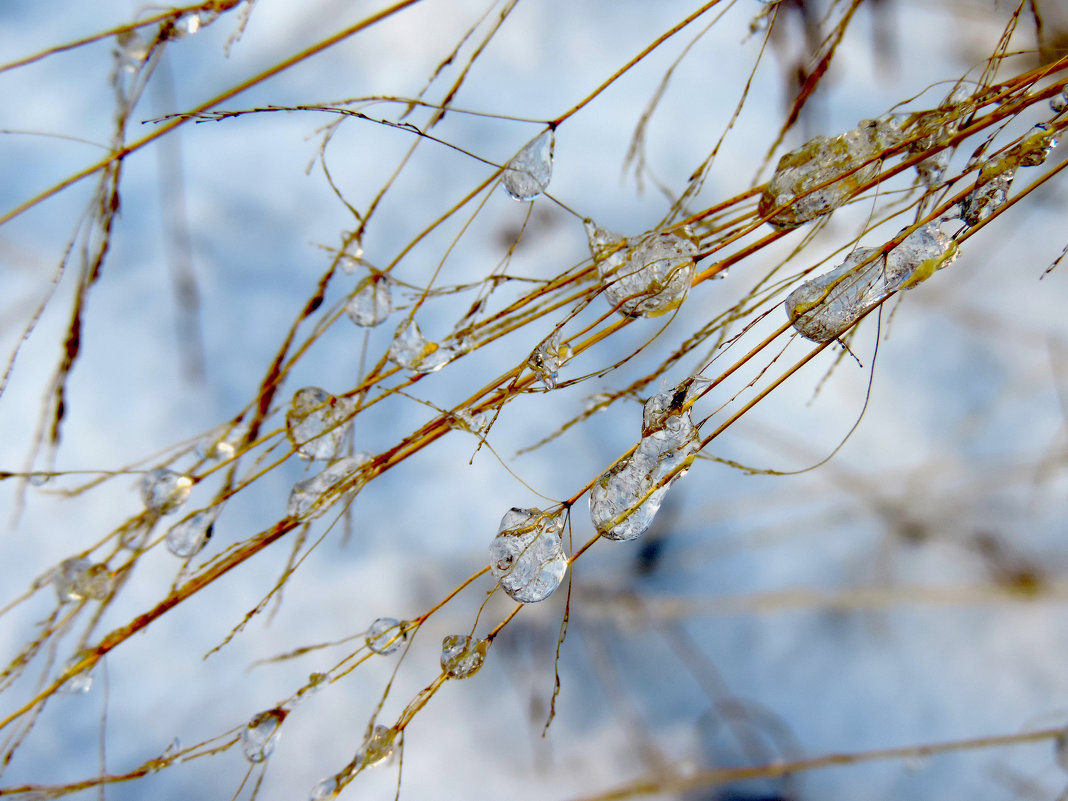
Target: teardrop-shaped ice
[
  {"x": 547, "y": 359},
  {"x": 527, "y": 556},
  {"x": 260, "y": 734},
  {"x": 188, "y": 536},
  {"x": 411, "y": 350},
  {"x": 372, "y": 302},
  {"x": 164, "y": 491},
  {"x": 377, "y": 748},
  {"x": 824, "y": 173},
  {"x": 649, "y": 277},
  {"x": 462, "y": 655},
  {"x": 528, "y": 173},
  {"x": 317, "y": 421},
  {"x": 325, "y": 789},
  {"x": 386, "y": 635},
  {"x": 626, "y": 497},
  {"x": 310, "y": 498}
]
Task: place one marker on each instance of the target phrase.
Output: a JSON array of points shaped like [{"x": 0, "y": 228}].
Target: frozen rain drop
[
  {"x": 132, "y": 50},
  {"x": 260, "y": 734},
  {"x": 528, "y": 173},
  {"x": 414, "y": 352},
  {"x": 317, "y": 421},
  {"x": 38, "y": 479},
  {"x": 372, "y": 302},
  {"x": 990, "y": 193},
  {"x": 527, "y": 555},
  {"x": 1059, "y": 103},
  {"x": 78, "y": 579},
  {"x": 475, "y": 423},
  {"x": 164, "y": 491},
  {"x": 222, "y": 443},
  {"x": 831, "y": 164},
  {"x": 386, "y": 635},
  {"x": 189, "y": 535},
  {"x": 351, "y": 262},
  {"x": 823, "y": 308},
  {"x": 547, "y": 359},
  {"x": 78, "y": 684},
  {"x": 646, "y": 278},
  {"x": 312, "y": 497},
  {"x": 325, "y": 789},
  {"x": 462, "y": 656},
  {"x": 377, "y": 748},
  {"x": 626, "y": 497}
]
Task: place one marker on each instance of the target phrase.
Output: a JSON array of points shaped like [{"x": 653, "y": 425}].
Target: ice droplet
[
  {"x": 325, "y": 789},
  {"x": 171, "y": 751},
  {"x": 648, "y": 277},
  {"x": 317, "y": 421},
  {"x": 78, "y": 579},
  {"x": 132, "y": 50},
  {"x": 823, "y": 308},
  {"x": 1036, "y": 146},
  {"x": 528, "y": 173},
  {"x": 38, "y": 479},
  {"x": 462, "y": 656},
  {"x": 527, "y": 555},
  {"x": 835, "y": 162},
  {"x": 990, "y": 193},
  {"x": 547, "y": 359},
  {"x": 222, "y": 443},
  {"x": 412, "y": 351},
  {"x": 310, "y": 498},
  {"x": 626, "y": 497},
  {"x": 1059, "y": 103},
  {"x": 476, "y": 424},
  {"x": 386, "y": 635},
  {"x": 189, "y": 535},
  {"x": 377, "y": 748},
  {"x": 260, "y": 734},
  {"x": 351, "y": 261},
  {"x": 164, "y": 491},
  {"x": 192, "y": 21},
  {"x": 78, "y": 684},
  {"x": 372, "y": 302}
]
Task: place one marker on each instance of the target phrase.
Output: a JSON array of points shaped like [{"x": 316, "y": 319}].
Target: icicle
[
  {"x": 189, "y": 535},
  {"x": 260, "y": 734},
  {"x": 527, "y": 555},
  {"x": 386, "y": 635},
  {"x": 462, "y": 656},
  {"x": 312, "y": 497},
  {"x": 317, "y": 421},
  {"x": 528, "y": 173},
  {"x": 648, "y": 277},
  {"x": 823, "y": 308},
  {"x": 164, "y": 491},
  {"x": 792, "y": 191},
  {"x": 372, "y": 302},
  {"x": 547, "y": 359},
  {"x": 626, "y": 497},
  {"x": 414, "y": 352}
]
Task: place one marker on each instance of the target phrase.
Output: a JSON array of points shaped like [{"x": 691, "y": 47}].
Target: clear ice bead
[
  {"x": 377, "y": 748},
  {"x": 372, "y": 302},
  {"x": 412, "y": 351},
  {"x": 476, "y": 424},
  {"x": 351, "y": 261},
  {"x": 626, "y": 497},
  {"x": 823, "y": 308},
  {"x": 78, "y": 684},
  {"x": 222, "y": 443},
  {"x": 325, "y": 789},
  {"x": 527, "y": 556},
  {"x": 78, "y": 579},
  {"x": 188, "y": 536},
  {"x": 260, "y": 734},
  {"x": 646, "y": 278},
  {"x": 317, "y": 421},
  {"x": 833, "y": 165},
  {"x": 547, "y": 359},
  {"x": 528, "y": 173},
  {"x": 462, "y": 656},
  {"x": 386, "y": 635},
  {"x": 164, "y": 491},
  {"x": 38, "y": 479},
  {"x": 310, "y": 498},
  {"x": 1059, "y": 103},
  {"x": 132, "y": 50}
]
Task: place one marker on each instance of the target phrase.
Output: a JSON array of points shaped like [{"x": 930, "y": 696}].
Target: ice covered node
[
  {"x": 462, "y": 655},
  {"x": 527, "y": 555},
  {"x": 547, "y": 359},
  {"x": 317, "y": 421},
  {"x": 386, "y": 635},
  {"x": 411, "y": 350},
  {"x": 312, "y": 497},
  {"x": 78, "y": 579}
]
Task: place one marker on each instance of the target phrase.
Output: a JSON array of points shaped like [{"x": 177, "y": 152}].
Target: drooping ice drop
[
  {"x": 411, "y": 350},
  {"x": 377, "y": 748},
  {"x": 528, "y": 173},
  {"x": 646, "y": 277},
  {"x": 260, "y": 734},
  {"x": 164, "y": 491},
  {"x": 822, "y": 174},
  {"x": 527, "y": 555},
  {"x": 371, "y": 303},
  {"x": 386, "y": 635},
  {"x": 626, "y": 497},
  {"x": 188, "y": 536},
  {"x": 462, "y": 655},
  {"x": 547, "y": 359},
  {"x": 312, "y": 497},
  {"x": 825, "y": 307},
  {"x": 316, "y": 422}
]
